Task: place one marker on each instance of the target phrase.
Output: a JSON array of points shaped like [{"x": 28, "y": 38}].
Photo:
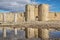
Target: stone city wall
[
  {"x": 11, "y": 17},
  {"x": 19, "y": 17},
  {"x": 1, "y": 17},
  {"x": 54, "y": 16}
]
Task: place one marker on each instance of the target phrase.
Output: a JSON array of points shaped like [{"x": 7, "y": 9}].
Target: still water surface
[{"x": 21, "y": 35}]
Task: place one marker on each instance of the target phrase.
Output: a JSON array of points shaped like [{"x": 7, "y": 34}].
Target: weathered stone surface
[
  {"x": 9, "y": 17},
  {"x": 20, "y": 17},
  {"x": 30, "y": 13},
  {"x": 1, "y": 17},
  {"x": 43, "y": 11},
  {"x": 53, "y": 16}
]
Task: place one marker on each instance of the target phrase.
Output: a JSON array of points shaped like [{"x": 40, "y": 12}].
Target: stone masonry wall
[
  {"x": 11, "y": 17},
  {"x": 54, "y": 16},
  {"x": 1, "y": 17}
]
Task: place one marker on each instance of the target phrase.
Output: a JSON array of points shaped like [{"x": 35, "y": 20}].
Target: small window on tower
[
  {"x": 55, "y": 15},
  {"x": 36, "y": 16}
]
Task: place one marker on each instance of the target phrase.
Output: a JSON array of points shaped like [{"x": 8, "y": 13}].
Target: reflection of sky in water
[
  {"x": 21, "y": 34},
  {"x": 55, "y": 34},
  {"x": 0, "y": 33},
  {"x": 10, "y": 33}
]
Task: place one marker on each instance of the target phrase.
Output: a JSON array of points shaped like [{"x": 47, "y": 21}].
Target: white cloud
[{"x": 14, "y": 5}]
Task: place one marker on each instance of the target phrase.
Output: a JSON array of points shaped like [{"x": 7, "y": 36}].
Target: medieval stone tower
[
  {"x": 34, "y": 12},
  {"x": 30, "y": 13},
  {"x": 43, "y": 10}
]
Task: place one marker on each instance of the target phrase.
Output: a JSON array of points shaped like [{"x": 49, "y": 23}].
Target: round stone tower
[
  {"x": 43, "y": 10},
  {"x": 30, "y": 13}
]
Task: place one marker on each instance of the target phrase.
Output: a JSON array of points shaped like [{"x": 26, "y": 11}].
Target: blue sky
[{"x": 19, "y": 5}]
